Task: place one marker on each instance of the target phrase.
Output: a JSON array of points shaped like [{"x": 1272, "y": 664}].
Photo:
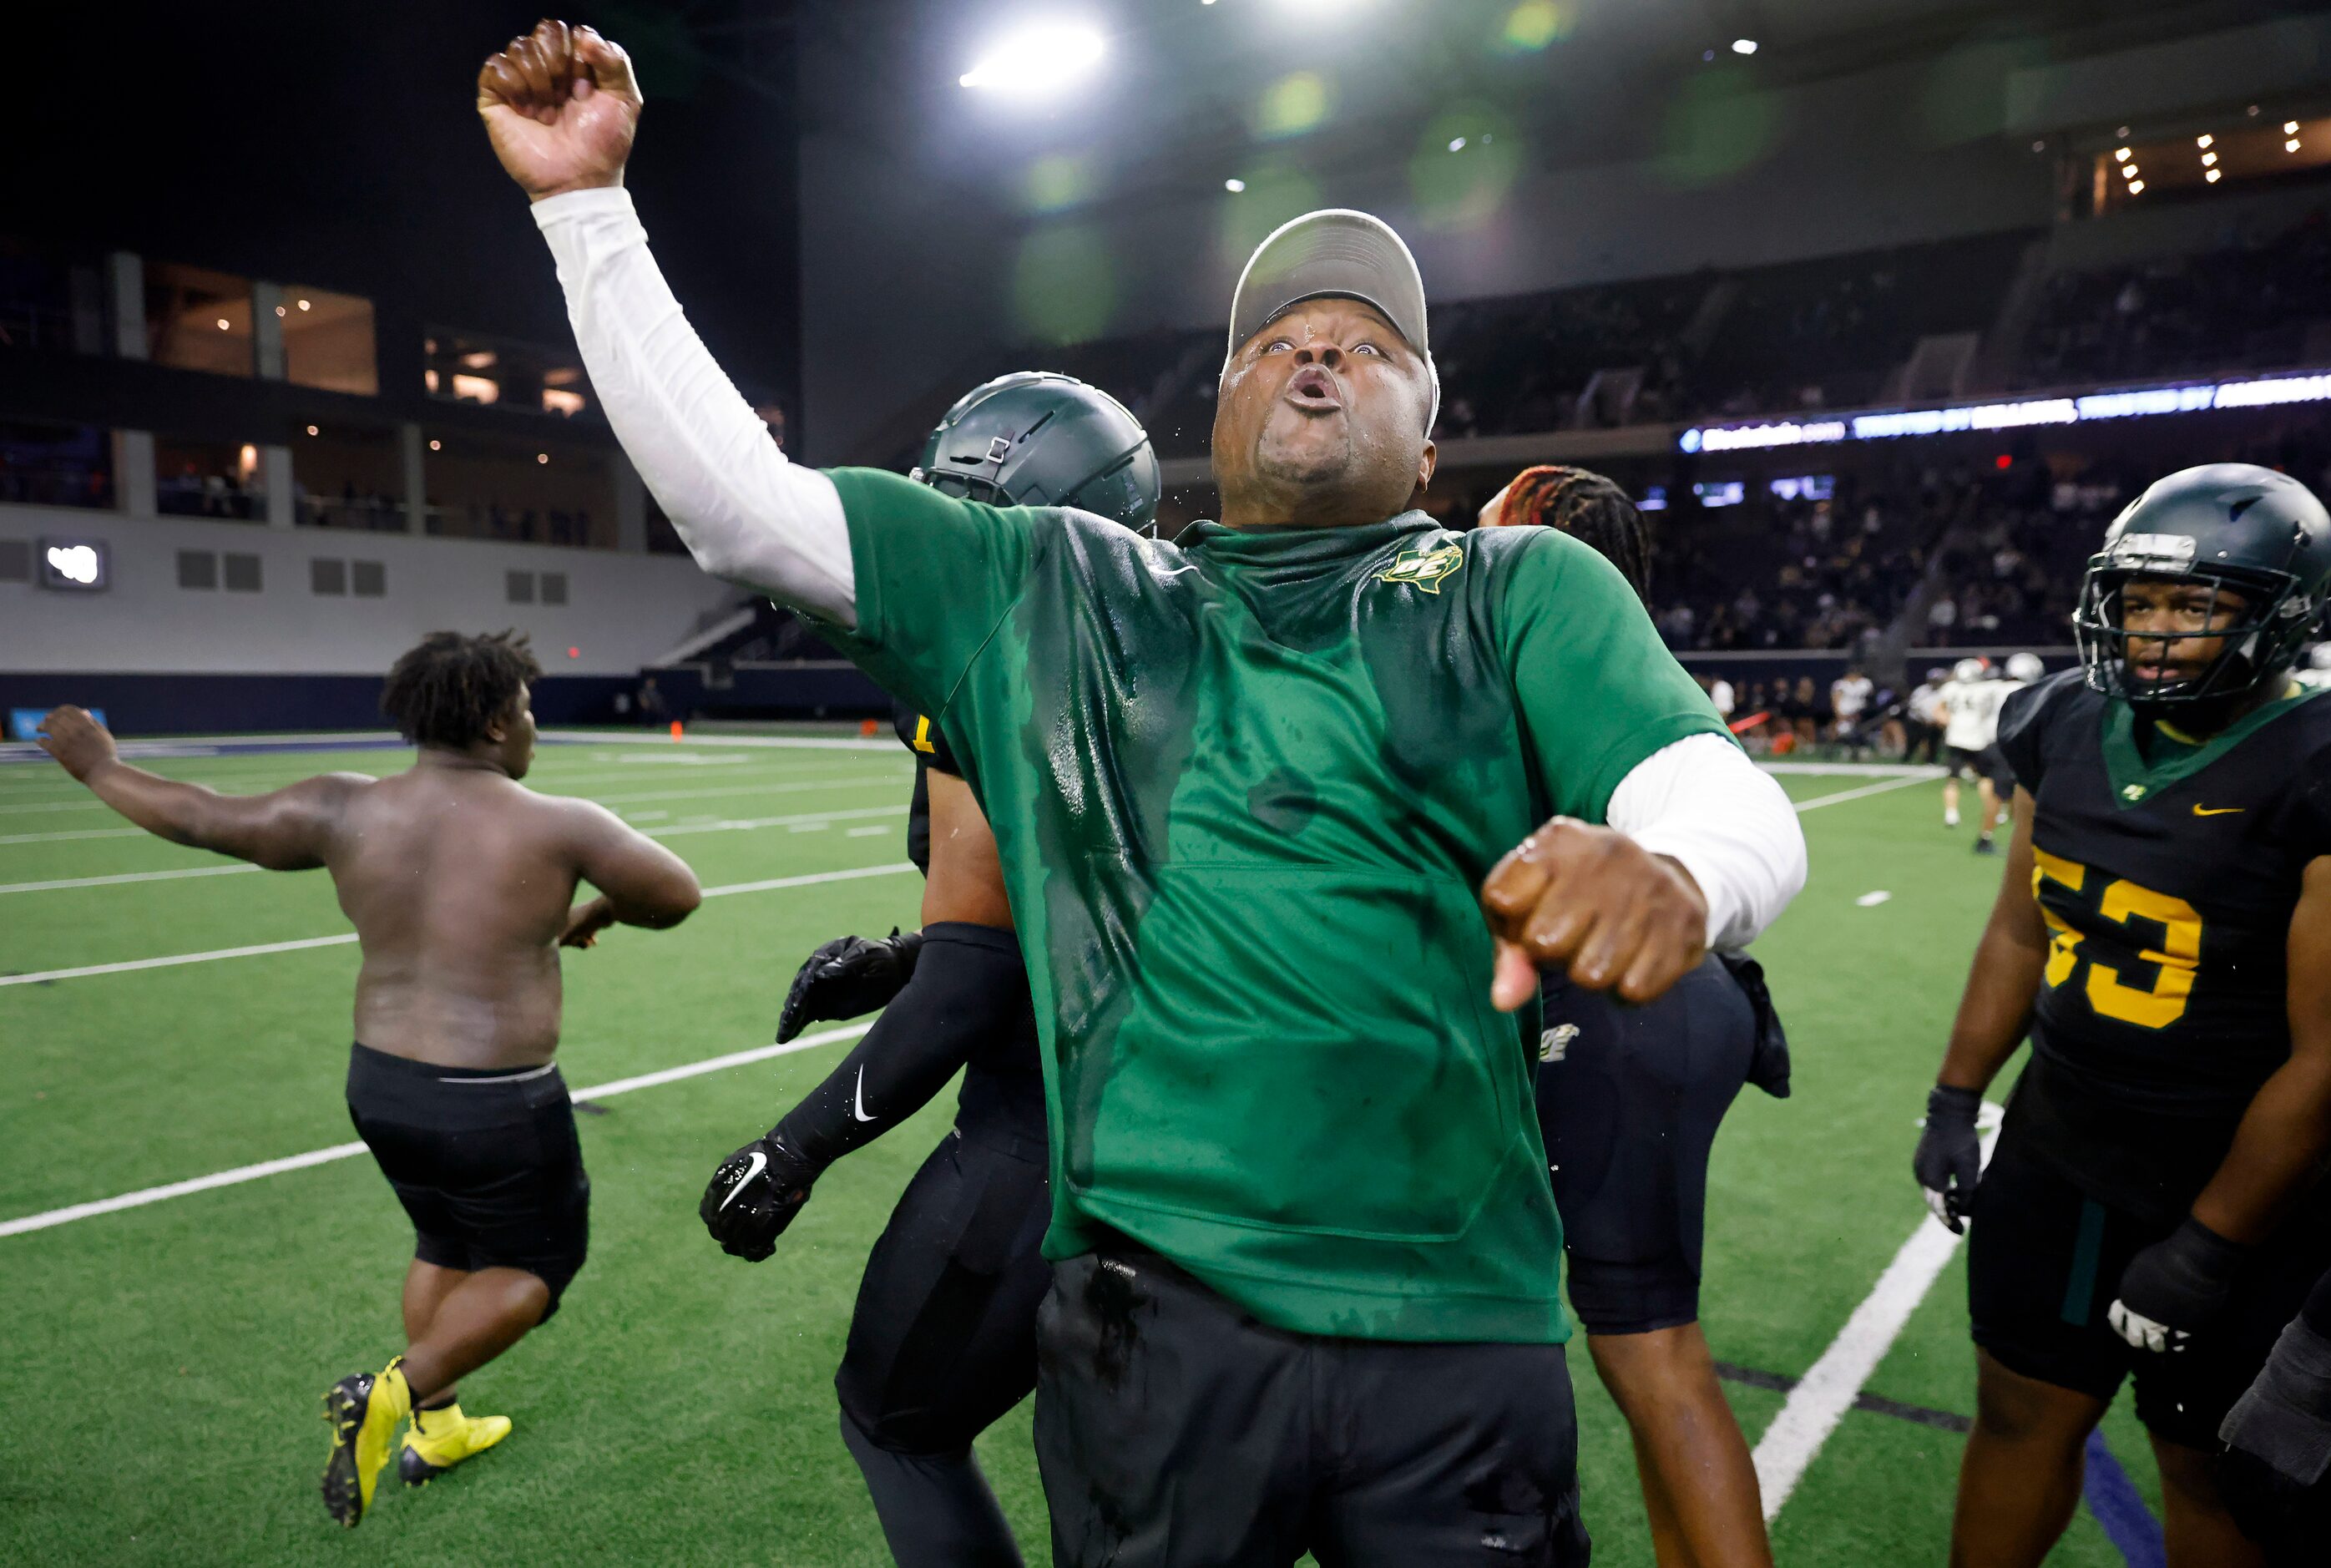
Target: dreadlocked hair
[
  {"x": 1591, "y": 509},
  {"x": 451, "y": 688}
]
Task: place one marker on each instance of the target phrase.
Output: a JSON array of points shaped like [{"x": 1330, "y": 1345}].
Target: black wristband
[{"x": 2205, "y": 1251}]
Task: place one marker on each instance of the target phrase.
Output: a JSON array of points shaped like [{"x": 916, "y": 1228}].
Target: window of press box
[
  {"x": 472, "y": 367},
  {"x": 55, "y": 465},
  {"x": 536, "y": 492},
  {"x": 209, "y": 479},
  {"x": 348, "y": 477},
  {"x": 328, "y": 340},
  {"x": 49, "y": 304},
  {"x": 198, "y": 319}
]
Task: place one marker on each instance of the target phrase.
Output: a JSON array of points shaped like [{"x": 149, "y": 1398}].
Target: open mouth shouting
[{"x": 1313, "y": 390}]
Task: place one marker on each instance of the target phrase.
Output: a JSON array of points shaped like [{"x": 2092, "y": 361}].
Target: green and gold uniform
[{"x": 1245, "y": 791}]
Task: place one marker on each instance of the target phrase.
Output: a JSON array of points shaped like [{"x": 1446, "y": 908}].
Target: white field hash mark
[{"x": 325, "y": 1157}]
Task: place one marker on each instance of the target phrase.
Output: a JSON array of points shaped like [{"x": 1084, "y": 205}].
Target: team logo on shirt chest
[{"x": 1424, "y": 568}]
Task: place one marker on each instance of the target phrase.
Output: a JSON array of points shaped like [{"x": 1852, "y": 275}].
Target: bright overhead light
[
  {"x": 1744, "y": 47},
  {"x": 1457, "y": 145},
  {"x": 2290, "y": 127},
  {"x": 2209, "y": 160},
  {"x": 304, "y": 305},
  {"x": 2213, "y": 175},
  {"x": 2128, "y": 171},
  {"x": 1038, "y": 59},
  {"x": 2204, "y": 141},
  {"x": 312, "y": 430},
  {"x": 222, "y": 324},
  {"x": 2290, "y": 146},
  {"x": 2121, "y": 153},
  {"x": 2135, "y": 187},
  {"x": 1233, "y": 187},
  {"x": 436, "y": 446}
]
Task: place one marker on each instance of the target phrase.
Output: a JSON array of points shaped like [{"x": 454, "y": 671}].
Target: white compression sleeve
[
  {"x": 746, "y": 513},
  {"x": 1726, "y": 821}
]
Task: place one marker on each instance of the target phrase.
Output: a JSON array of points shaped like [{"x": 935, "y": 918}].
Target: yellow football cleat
[
  {"x": 364, "y": 1412},
  {"x": 441, "y": 1439}
]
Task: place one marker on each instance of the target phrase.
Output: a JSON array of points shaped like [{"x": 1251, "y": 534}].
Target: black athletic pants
[
  {"x": 943, "y": 1342},
  {"x": 1175, "y": 1431}
]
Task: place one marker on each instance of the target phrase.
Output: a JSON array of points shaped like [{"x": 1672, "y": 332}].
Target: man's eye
[
  {"x": 1369, "y": 349},
  {"x": 1278, "y": 344}
]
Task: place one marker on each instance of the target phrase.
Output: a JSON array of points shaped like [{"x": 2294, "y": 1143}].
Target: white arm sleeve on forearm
[
  {"x": 745, "y": 513},
  {"x": 1725, "y": 820}
]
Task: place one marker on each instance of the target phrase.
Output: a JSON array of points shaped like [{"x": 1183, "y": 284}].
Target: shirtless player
[{"x": 459, "y": 882}]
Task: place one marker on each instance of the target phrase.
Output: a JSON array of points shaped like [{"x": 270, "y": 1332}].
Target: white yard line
[
  {"x": 1826, "y": 1392},
  {"x": 1866, "y": 790},
  {"x": 43, "y": 976},
  {"x": 563, "y": 788},
  {"x": 242, "y": 1173},
  {"x": 723, "y": 826},
  {"x": 51, "y": 887}
]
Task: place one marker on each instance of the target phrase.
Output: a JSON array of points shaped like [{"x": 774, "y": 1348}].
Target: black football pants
[{"x": 1175, "y": 1431}]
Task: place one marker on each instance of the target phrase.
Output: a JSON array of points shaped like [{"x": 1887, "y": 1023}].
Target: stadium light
[
  {"x": 2290, "y": 127},
  {"x": 2213, "y": 175},
  {"x": 1038, "y": 59},
  {"x": 436, "y": 446},
  {"x": 222, "y": 324},
  {"x": 1744, "y": 47},
  {"x": 1233, "y": 187},
  {"x": 1457, "y": 145},
  {"x": 2290, "y": 146},
  {"x": 2209, "y": 160},
  {"x": 2135, "y": 187},
  {"x": 2204, "y": 142},
  {"x": 2121, "y": 153}
]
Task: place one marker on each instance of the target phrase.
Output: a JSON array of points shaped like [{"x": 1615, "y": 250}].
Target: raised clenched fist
[{"x": 561, "y": 107}]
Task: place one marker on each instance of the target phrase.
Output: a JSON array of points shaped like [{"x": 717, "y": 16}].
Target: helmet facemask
[{"x": 2257, "y": 643}]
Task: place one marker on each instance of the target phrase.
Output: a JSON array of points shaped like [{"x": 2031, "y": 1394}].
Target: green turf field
[{"x": 160, "y": 1366}]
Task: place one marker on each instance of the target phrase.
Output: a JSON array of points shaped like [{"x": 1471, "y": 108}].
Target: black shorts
[
  {"x": 1172, "y": 1427},
  {"x": 1629, "y": 1099},
  {"x": 487, "y": 1164},
  {"x": 2045, "y": 1263},
  {"x": 943, "y": 1340}
]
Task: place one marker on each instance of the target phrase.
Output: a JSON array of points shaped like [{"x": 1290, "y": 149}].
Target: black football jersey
[
  {"x": 2168, "y": 872},
  {"x": 920, "y": 736}
]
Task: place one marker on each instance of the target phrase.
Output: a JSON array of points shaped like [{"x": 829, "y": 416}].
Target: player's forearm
[
  {"x": 745, "y": 512},
  {"x": 1702, "y": 804},
  {"x": 2277, "y": 1153},
  {"x": 1995, "y": 1011},
  {"x": 182, "y": 812},
  {"x": 963, "y": 994}
]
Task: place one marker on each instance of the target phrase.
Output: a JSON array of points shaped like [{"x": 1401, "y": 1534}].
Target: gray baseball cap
[{"x": 1340, "y": 252}]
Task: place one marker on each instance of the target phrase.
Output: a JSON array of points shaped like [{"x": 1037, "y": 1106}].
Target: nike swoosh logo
[
  {"x": 760, "y": 1162},
  {"x": 860, "y": 1108},
  {"x": 2218, "y": 810}
]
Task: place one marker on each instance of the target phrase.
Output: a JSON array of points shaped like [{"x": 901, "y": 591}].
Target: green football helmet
[
  {"x": 2236, "y": 527},
  {"x": 1041, "y": 439}
]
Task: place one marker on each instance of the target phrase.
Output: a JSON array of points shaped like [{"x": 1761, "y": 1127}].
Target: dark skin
[
  {"x": 458, "y": 881},
  {"x": 2020, "y": 1476},
  {"x": 1321, "y": 421}
]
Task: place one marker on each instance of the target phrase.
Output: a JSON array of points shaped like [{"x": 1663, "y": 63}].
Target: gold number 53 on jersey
[{"x": 2155, "y": 1006}]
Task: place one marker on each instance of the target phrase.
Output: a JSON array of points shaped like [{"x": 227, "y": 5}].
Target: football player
[
  {"x": 1629, "y": 1099},
  {"x": 943, "y": 1340},
  {"x": 2151, "y": 1208},
  {"x": 1969, "y": 703}
]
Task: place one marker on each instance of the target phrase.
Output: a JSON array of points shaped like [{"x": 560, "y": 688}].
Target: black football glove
[
  {"x": 848, "y": 977},
  {"x": 2170, "y": 1291},
  {"x": 755, "y": 1195},
  {"x": 2277, "y": 1474},
  {"x": 1949, "y": 1161}
]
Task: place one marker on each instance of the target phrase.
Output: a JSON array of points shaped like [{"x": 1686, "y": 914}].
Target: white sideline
[
  {"x": 1828, "y": 1390},
  {"x": 242, "y": 1173},
  {"x": 344, "y": 938}
]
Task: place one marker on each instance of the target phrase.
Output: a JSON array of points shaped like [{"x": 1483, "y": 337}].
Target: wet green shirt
[{"x": 1245, "y": 791}]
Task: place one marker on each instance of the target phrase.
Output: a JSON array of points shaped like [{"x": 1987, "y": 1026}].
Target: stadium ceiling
[{"x": 1176, "y": 105}]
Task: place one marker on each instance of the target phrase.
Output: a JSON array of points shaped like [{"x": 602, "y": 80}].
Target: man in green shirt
[{"x": 1251, "y": 793}]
